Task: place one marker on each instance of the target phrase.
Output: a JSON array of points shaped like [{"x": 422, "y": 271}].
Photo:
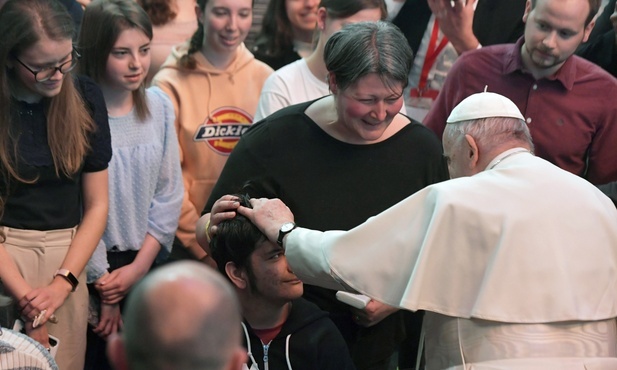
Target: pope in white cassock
[{"x": 514, "y": 260}]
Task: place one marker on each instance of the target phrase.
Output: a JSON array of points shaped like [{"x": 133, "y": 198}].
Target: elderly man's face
[{"x": 457, "y": 152}]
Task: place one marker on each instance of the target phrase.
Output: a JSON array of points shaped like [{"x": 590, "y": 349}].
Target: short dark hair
[
  {"x": 339, "y": 9},
  {"x": 160, "y": 12},
  {"x": 235, "y": 240}
]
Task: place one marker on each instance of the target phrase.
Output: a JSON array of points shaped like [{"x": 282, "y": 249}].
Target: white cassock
[{"x": 516, "y": 267}]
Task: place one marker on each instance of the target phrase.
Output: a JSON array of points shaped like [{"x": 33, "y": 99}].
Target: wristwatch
[
  {"x": 68, "y": 276},
  {"x": 284, "y": 230}
]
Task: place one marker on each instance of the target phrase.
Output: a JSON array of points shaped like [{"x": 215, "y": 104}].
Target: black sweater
[{"x": 312, "y": 339}]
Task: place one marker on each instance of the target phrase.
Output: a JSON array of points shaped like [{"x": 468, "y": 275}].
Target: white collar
[{"x": 508, "y": 153}]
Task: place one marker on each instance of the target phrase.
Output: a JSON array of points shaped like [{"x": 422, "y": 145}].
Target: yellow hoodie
[{"x": 213, "y": 108}]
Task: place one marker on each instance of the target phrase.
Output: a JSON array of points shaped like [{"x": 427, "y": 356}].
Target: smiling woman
[
  {"x": 98, "y": 43},
  {"x": 145, "y": 183},
  {"x": 214, "y": 84},
  {"x": 287, "y": 32},
  {"x": 340, "y": 159},
  {"x": 54, "y": 153},
  {"x": 223, "y": 26},
  {"x": 366, "y": 95},
  {"x": 281, "y": 88}
]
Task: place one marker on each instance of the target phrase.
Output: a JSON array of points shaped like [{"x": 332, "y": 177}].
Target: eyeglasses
[{"x": 45, "y": 74}]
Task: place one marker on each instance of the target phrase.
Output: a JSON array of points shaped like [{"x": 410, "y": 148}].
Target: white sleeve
[
  {"x": 272, "y": 98},
  {"x": 376, "y": 258},
  {"x": 307, "y": 254}
]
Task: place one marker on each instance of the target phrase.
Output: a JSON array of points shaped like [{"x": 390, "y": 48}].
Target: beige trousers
[{"x": 38, "y": 254}]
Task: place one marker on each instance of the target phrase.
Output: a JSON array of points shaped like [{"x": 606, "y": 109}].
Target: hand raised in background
[{"x": 455, "y": 20}]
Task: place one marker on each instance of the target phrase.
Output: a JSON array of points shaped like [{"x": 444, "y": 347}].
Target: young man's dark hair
[
  {"x": 280, "y": 327},
  {"x": 239, "y": 240}
]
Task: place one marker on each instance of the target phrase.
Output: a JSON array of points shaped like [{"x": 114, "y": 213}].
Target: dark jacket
[
  {"x": 312, "y": 340},
  {"x": 76, "y": 12},
  {"x": 275, "y": 61},
  {"x": 600, "y": 48}
]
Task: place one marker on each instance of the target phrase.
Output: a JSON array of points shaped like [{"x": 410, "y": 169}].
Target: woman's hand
[
  {"x": 110, "y": 320},
  {"x": 114, "y": 287},
  {"x": 41, "y": 303},
  {"x": 223, "y": 209}
]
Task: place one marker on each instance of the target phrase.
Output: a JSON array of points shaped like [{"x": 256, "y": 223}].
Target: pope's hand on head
[{"x": 268, "y": 215}]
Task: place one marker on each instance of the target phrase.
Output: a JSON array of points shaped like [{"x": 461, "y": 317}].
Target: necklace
[{"x": 508, "y": 155}]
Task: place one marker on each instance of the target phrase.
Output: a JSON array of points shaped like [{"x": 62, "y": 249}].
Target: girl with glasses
[
  {"x": 44, "y": 74},
  {"x": 54, "y": 152}
]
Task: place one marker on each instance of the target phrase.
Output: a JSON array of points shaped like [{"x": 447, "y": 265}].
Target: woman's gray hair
[
  {"x": 491, "y": 132},
  {"x": 368, "y": 47}
]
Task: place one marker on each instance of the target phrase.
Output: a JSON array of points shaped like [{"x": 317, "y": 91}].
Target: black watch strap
[
  {"x": 285, "y": 229},
  {"x": 68, "y": 276}
]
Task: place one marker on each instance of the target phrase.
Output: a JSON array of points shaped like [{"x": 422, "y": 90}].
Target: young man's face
[
  {"x": 553, "y": 31},
  {"x": 271, "y": 276}
]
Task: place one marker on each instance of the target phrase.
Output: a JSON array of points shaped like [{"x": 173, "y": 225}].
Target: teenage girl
[
  {"x": 54, "y": 152},
  {"x": 287, "y": 32},
  {"x": 145, "y": 182},
  {"x": 214, "y": 83}
]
